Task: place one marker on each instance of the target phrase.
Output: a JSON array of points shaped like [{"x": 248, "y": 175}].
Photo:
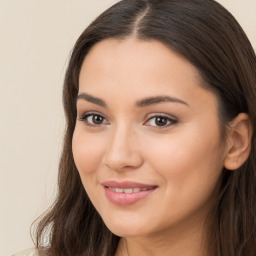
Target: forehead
[
  {"x": 133, "y": 57},
  {"x": 135, "y": 68}
]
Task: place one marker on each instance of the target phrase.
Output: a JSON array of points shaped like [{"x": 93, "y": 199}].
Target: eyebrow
[
  {"x": 158, "y": 99},
  {"x": 140, "y": 103},
  {"x": 92, "y": 99}
]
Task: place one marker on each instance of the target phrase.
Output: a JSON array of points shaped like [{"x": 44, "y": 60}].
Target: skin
[{"x": 183, "y": 158}]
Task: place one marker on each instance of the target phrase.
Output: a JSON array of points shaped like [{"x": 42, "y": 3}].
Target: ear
[{"x": 239, "y": 142}]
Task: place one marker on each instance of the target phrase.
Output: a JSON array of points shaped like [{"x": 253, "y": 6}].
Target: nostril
[{"x": 122, "y": 160}]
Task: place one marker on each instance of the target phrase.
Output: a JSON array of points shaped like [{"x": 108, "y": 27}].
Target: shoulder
[{"x": 28, "y": 252}]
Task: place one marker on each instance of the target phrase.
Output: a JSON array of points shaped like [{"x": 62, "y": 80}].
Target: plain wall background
[{"x": 36, "y": 37}]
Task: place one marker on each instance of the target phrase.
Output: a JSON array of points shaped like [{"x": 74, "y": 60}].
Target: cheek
[
  {"x": 187, "y": 160},
  {"x": 190, "y": 168},
  {"x": 87, "y": 151}
]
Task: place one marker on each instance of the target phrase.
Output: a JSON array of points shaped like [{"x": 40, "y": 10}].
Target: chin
[
  {"x": 127, "y": 232},
  {"x": 126, "y": 228}
]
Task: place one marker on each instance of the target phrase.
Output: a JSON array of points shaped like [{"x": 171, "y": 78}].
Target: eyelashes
[
  {"x": 93, "y": 119},
  {"x": 159, "y": 121}
]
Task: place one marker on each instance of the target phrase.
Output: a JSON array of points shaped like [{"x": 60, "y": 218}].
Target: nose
[{"x": 123, "y": 151}]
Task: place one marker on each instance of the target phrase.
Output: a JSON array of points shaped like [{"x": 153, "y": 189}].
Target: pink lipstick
[{"x": 127, "y": 192}]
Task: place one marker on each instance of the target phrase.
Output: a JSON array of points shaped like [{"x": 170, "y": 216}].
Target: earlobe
[{"x": 239, "y": 142}]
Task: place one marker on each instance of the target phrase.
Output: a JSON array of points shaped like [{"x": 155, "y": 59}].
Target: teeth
[{"x": 128, "y": 190}]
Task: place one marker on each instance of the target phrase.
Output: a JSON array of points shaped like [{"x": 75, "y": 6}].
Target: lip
[{"x": 125, "y": 199}]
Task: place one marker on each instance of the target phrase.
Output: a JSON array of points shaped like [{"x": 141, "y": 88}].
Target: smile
[{"x": 127, "y": 192}]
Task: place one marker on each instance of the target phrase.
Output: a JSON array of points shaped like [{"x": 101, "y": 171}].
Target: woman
[{"x": 159, "y": 151}]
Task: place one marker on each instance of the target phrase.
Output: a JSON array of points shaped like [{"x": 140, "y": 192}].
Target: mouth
[
  {"x": 129, "y": 190},
  {"x": 127, "y": 193}
]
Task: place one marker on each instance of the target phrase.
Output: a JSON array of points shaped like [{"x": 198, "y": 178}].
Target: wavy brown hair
[{"x": 209, "y": 37}]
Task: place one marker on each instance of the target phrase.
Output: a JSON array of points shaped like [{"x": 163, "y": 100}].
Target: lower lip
[{"x": 125, "y": 199}]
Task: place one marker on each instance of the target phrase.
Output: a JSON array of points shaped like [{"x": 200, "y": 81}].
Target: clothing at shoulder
[{"x": 28, "y": 252}]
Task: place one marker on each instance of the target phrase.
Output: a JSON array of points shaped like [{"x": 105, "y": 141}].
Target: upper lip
[{"x": 126, "y": 184}]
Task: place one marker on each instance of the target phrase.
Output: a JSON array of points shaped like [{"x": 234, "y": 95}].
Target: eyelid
[
  {"x": 89, "y": 113},
  {"x": 85, "y": 115},
  {"x": 162, "y": 115},
  {"x": 173, "y": 120}
]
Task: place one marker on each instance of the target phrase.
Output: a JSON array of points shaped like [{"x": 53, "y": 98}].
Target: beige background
[{"x": 36, "y": 37}]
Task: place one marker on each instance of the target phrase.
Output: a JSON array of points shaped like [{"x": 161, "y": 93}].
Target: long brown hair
[{"x": 209, "y": 37}]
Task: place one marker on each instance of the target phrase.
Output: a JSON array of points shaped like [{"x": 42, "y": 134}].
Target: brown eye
[
  {"x": 96, "y": 119},
  {"x": 160, "y": 121},
  {"x": 93, "y": 119}
]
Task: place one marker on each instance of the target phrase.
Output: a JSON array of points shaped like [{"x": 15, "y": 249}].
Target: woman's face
[{"x": 147, "y": 142}]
